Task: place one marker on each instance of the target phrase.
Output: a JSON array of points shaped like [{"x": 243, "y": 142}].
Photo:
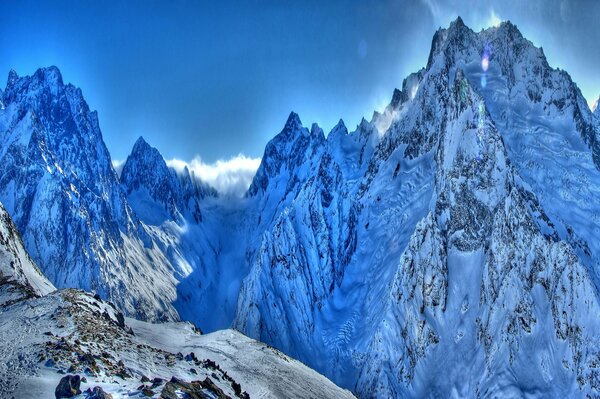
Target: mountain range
[{"x": 446, "y": 247}]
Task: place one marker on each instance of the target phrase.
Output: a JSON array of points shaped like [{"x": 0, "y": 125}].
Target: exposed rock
[{"x": 68, "y": 387}]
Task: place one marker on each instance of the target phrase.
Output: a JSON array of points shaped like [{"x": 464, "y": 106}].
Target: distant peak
[
  {"x": 458, "y": 22},
  {"x": 315, "y": 129},
  {"x": 396, "y": 98},
  {"x": 50, "y": 75},
  {"x": 141, "y": 142},
  {"x": 141, "y": 146},
  {"x": 340, "y": 125},
  {"x": 293, "y": 121},
  {"x": 12, "y": 75},
  {"x": 12, "y": 78},
  {"x": 596, "y": 107}
]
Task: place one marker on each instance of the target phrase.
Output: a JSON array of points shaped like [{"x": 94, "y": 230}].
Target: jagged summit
[
  {"x": 339, "y": 127},
  {"x": 141, "y": 149},
  {"x": 293, "y": 122},
  {"x": 178, "y": 194},
  {"x": 62, "y": 192}
]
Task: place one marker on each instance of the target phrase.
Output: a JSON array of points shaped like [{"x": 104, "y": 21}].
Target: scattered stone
[
  {"x": 97, "y": 393},
  {"x": 146, "y": 391},
  {"x": 192, "y": 390},
  {"x": 157, "y": 381},
  {"x": 193, "y": 371},
  {"x": 145, "y": 379},
  {"x": 68, "y": 387}
]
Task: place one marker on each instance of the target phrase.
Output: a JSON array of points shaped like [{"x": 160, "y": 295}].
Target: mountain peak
[
  {"x": 458, "y": 22},
  {"x": 12, "y": 77},
  {"x": 50, "y": 75},
  {"x": 140, "y": 144},
  {"x": 340, "y": 126},
  {"x": 293, "y": 122}
]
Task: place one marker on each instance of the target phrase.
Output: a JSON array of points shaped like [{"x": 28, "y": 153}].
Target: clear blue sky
[{"x": 218, "y": 78}]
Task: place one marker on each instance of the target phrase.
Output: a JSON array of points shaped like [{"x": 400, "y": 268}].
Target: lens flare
[
  {"x": 485, "y": 57},
  {"x": 485, "y": 63}
]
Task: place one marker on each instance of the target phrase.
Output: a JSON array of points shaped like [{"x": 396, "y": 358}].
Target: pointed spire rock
[
  {"x": 140, "y": 144},
  {"x": 293, "y": 122},
  {"x": 341, "y": 126},
  {"x": 396, "y": 98},
  {"x": 457, "y": 22},
  {"x": 12, "y": 77}
]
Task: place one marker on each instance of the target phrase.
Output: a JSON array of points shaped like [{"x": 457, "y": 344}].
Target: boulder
[{"x": 68, "y": 387}]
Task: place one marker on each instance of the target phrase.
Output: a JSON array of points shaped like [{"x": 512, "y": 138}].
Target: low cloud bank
[{"x": 230, "y": 177}]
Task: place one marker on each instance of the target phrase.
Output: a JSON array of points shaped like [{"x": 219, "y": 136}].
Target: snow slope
[
  {"x": 70, "y": 331},
  {"x": 19, "y": 276}
]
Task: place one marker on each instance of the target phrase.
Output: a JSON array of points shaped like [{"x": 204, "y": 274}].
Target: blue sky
[{"x": 216, "y": 79}]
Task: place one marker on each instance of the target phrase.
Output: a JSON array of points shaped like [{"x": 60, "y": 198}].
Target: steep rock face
[
  {"x": 461, "y": 262},
  {"x": 59, "y": 186},
  {"x": 287, "y": 153},
  {"x": 177, "y": 194},
  {"x": 19, "y": 276},
  {"x": 480, "y": 286}
]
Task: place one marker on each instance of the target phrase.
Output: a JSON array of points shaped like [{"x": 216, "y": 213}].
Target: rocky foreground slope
[{"x": 68, "y": 343}]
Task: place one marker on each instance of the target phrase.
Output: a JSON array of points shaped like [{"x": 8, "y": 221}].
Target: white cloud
[
  {"x": 593, "y": 104},
  {"x": 494, "y": 20},
  {"x": 230, "y": 177},
  {"x": 118, "y": 165}
]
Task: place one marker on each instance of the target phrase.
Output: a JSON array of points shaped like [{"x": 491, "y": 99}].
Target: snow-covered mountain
[
  {"x": 45, "y": 334},
  {"x": 163, "y": 193},
  {"x": 447, "y": 247},
  {"x": 59, "y": 187},
  {"x": 460, "y": 262}
]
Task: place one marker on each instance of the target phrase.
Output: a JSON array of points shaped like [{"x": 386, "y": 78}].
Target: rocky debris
[
  {"x": 68, "y": 387},
  {"x": 193, "y": 390},
  {"x": 97, "y": 393},
  {"x": 157, "y": 381}
]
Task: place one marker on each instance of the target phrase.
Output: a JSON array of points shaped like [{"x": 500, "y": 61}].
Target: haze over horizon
[{"x": 206, "y": 83}]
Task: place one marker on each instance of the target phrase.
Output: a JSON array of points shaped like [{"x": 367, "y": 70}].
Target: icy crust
[
  {"x": 70, "y": 331},
  {"x": 19, "y": 276},
  {"x": 61, "y": 191}
]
